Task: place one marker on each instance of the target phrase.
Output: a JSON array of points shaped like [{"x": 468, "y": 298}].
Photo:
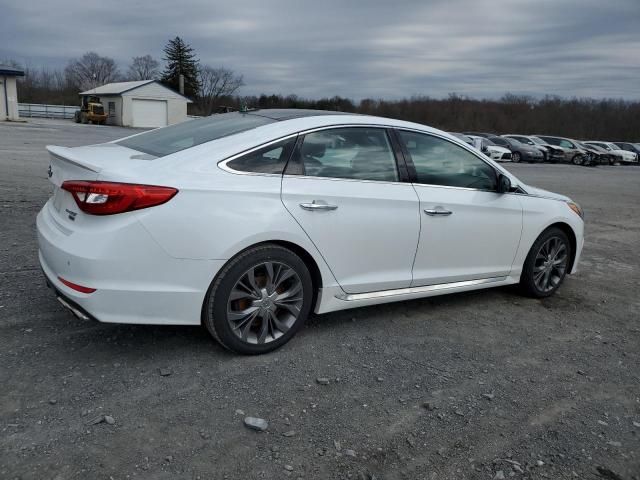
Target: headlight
[{"x": 576, "y": 208}]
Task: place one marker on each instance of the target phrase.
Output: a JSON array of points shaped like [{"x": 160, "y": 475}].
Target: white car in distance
[
  {"x": 613, "y": 148},
  {"x": 490, "y": 149},
  {"x": 246, "y": 222}
]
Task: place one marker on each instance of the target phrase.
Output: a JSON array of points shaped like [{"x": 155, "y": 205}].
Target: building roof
[
  {"x": 11, "y": 71},
  {"x": 116, "y": 88}
]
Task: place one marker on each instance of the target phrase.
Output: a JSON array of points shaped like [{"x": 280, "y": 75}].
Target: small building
[
  {"x": 145, "y": 103},
  {"x": 9, "y": 92}
]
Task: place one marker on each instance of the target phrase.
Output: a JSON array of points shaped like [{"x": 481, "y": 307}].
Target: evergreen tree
[{"x": 181, "y": 59}]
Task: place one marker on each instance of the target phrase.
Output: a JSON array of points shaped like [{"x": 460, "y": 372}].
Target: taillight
[{"x": 108, "y": 198}]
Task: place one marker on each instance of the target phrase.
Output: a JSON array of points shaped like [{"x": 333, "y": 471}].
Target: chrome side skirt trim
[{"x": 416, "y": 290}]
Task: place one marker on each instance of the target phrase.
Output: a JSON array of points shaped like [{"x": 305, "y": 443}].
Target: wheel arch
[
  {"x": 566, "y": 228},
  {"x": 307, "y": 258}
]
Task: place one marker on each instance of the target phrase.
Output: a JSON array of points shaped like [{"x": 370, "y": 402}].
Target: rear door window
[{"x": 357, "y": 153}]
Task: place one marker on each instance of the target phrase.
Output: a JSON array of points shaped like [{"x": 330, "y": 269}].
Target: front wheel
[
  {"x": 577, "y": 160},
  {"x": 546, "y": 264},
  {"x": 260, "y": 299},
  {"x": 515, "y": 157}
]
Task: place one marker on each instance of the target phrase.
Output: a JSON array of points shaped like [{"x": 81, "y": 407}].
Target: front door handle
[
  {"x": 437, "y": 212},
  {"x": 316, "y": 205}
]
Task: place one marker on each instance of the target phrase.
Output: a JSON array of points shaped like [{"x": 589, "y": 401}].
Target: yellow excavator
[{"x": 91, "y": 111}]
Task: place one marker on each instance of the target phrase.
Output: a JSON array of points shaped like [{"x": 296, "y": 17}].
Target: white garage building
[
  {"x": 9, "y": 92},
  {"x": 146, "y": 103}
]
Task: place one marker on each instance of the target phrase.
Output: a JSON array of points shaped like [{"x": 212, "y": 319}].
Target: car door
[
  {"x": 343, "y": 187},
  {"x": 468, "y": 230}
]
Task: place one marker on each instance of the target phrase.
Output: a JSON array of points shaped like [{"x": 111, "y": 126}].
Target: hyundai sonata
[{"x": 246, "y": 222}]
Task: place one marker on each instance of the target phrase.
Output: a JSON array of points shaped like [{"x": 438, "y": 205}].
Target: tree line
[
  {"x": 578, "y": 118},
  {"x": 214, "y": 87},
  {"x": 204, "y": 84}
]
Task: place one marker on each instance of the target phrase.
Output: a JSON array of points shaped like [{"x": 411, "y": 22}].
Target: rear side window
[
  {"x": 168, "y": 140},
  {"x": 355, "y": 153},
  {"x": 270, "y": 159},
  {"x": 440, "y": 162}
]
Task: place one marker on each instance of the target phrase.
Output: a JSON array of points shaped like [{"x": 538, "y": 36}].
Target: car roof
[{"x": 280, "y": 114}]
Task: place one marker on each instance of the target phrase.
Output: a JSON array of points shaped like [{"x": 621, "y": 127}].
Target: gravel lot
[{"x": 481, "y": 385}]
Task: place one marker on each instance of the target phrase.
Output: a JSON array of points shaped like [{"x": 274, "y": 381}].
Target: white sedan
[
  {"x": 613, "y": 148},
  {"x": 490, "y": 149},
  {"x": 246, "y": 222}
]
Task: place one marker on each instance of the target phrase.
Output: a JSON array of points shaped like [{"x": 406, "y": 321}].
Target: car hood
[{"x": 539, "y": 192}]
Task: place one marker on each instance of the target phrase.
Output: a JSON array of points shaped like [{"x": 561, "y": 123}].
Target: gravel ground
[{"x": 483, "y": 385}]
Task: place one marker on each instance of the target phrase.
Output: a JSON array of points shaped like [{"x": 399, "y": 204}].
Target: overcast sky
[{"x": 358, "y": 48}]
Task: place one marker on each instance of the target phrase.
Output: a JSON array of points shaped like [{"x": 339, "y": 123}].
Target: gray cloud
[{"x": 357, "y": 48}]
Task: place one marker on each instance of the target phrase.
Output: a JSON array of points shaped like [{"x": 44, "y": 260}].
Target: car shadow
[{"x": 125, "y": 341}]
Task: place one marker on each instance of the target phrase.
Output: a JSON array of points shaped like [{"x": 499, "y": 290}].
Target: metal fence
[{"x": 46, "y": 111}]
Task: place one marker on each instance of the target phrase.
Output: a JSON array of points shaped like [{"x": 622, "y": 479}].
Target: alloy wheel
[
  {"x": 265, "y": 302},
  {"x": 550, "y": 264}
]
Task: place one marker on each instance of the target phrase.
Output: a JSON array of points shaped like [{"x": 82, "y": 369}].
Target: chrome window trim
[
  {"x": 350, "y": 297},
  {"x": 223, "y": 163}
]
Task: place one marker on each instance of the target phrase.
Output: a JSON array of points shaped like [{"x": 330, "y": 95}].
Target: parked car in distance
[
  {"x": 592, "y": 155},
  {"x": 629, "y": 147},
  {"x": 573, "y": 152},
  {"x": 602, "y": 155},
  {"x": 245, "y": 222},
  {"x": 479, "y": 134},
  {"x": 462, "y": 137},
  {"x": 490, "y": 149},
  {"x": 551, "y": 153},
  {"x": 630, "y": 157},
  {"x": 519, "y": 151}
]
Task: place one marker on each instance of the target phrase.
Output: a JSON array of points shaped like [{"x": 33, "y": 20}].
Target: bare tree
[
  {"x": 91, "y": 70},
  {"x": 143, "y": 68},
  {"x": 216, "y": 83}
]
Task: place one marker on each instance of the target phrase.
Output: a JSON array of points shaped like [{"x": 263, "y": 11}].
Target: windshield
[
  {"x": 168, "y": 140},
  {"x": 537, "y": 140}
]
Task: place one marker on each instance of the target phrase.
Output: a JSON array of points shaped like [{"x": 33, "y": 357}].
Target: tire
[
  {"x": 76, "y": 118},
  {"x": 83, "y": 119},
  {"x": 535, "y": 281},
  {"x": 515, "y": 157},
  {"x": 577, "y": 159},
  {"x": 262, "y": 322}
]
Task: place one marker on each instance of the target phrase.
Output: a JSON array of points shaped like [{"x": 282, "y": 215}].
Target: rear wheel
[
  {"x": 546, "y": 264},
  {"x": 259, "y": 300},
  {"x": 515, "y": 157}
]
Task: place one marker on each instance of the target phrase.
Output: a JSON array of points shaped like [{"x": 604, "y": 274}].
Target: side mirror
[
  {"x": 484, "y": 149},
  {"x": 504, "y": 184}
]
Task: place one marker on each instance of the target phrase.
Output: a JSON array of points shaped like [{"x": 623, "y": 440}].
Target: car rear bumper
[{"x": 135, "y": 281}]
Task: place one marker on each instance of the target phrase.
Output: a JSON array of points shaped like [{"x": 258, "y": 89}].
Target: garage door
[{"x": 149, "y": 113}]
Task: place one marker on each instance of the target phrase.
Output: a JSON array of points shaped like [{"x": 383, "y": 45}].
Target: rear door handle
[
  {"x": 317, "y": 205},
  {"x": 437, "y": 212}
]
